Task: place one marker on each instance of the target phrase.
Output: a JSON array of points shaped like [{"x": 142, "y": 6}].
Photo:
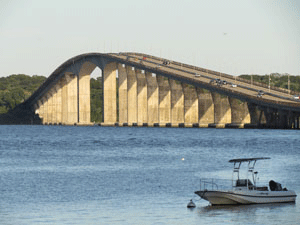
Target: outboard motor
[{"x": 274, "y": 186}]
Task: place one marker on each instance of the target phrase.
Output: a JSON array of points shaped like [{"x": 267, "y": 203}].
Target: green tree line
[
  {"x": 276, "y": 80},
  {"x": 15, "y": 89}
]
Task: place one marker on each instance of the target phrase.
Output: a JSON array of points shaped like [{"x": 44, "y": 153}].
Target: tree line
[
  {"x": 15, "y": 89},
  {"x": 276, "y": 80}
]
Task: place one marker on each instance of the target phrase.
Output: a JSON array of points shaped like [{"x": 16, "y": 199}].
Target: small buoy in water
[
  {"x": 191, "y": 204},
  {"x": 182, "y": 159}
]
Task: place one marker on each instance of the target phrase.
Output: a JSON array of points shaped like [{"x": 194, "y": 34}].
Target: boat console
[{"x": 243, "y": 183}]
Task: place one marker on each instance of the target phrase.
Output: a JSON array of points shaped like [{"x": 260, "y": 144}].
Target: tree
[{"x": 15, "y": 89}]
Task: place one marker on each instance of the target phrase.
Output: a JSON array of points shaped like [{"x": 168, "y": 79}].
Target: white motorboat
[{"x": 244, "y": 191}]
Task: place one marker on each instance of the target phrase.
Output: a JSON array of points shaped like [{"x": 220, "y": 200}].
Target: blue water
[{"x": 121, "y": 175}]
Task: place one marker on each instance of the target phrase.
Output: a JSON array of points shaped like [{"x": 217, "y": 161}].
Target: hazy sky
[{"x": 231, "y": 36}]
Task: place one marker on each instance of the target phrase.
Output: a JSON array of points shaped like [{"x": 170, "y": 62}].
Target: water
[{"x": 111, "y": 175}]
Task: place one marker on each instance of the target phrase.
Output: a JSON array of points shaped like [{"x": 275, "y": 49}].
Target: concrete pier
[
  {"x": 123, "y": 94},
  {"x": 142, "y": 103},
  {"x": 177, "y": 103},
  {"x": 132, "y": 96},
  {"x": 222, "y": 111},
  {"x": 84, "y": 104},
  {"x": 110, "y": 94},
  {"x": 152, "y": 99},
  {"x": 239, "y": 113},
  {"x": 205, "y": 107},
  {"x": 190, "y": 105},
  {"x": 164, "y": 101}
]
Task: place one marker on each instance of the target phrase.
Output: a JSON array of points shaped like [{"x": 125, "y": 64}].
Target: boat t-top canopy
[
  {"x": 251, "y": 164},
  {"x": 247, "y": 159}
]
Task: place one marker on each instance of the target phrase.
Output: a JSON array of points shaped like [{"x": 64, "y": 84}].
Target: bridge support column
[
  {"x": 283, "y": 119},
  {"x": 239, "y": 113},
  {"x": 190, "y": 106},
  {"x": 205, "y": 107},
  {"x": 297, "y": 121},
  {"x": 274, "y": 117},
  {"x": 45, "y": 110},
  {"x": 84, "y": 96},
  {"x": 177, "y": 103},
  {"x": 54, "y": 100},
  {"x": 153, "y": 99},
  {"x": 123, "y": 104},
  {"x": 222, "y": 110},
  {"x": 290, "y": 120},
  {"x": 257, "y": 116},
  {"x": 64, "y": 99},
  {"x": 293, "y": 120},
  {"x": 262, "y": 121},
  {"x": 110, "y": 94},
  {"x": 164, "y": 101},
  {"x": 132, "y": 96},
  {"x": 58, "y": 103},
  {"x": 54, "y": 105},
  {"x": 142, "y": 98},
  {"x": 73, "y": 100},
  {"x": 254, "y": 116},
  {"x": 69, "y": 99},
  {"x": 50, "y": 107}
]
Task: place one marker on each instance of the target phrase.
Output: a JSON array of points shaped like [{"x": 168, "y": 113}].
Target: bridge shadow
[{"x": 20, "y": 116}]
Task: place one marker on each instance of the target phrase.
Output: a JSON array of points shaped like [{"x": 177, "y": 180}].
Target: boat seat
[{"x": 264, "y": 188}]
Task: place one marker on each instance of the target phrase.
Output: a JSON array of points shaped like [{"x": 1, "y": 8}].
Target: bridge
[{"x": 152, "y": 91}]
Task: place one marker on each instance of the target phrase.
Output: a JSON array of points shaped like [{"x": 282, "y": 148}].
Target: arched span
[{"x": 273, "y": 102}]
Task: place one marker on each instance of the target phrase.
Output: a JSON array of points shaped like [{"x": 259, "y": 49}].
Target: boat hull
[{"x": 247, "y": 197}]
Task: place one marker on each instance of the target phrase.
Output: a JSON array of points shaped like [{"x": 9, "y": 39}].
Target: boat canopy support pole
[{"x": 236, "y": 169}]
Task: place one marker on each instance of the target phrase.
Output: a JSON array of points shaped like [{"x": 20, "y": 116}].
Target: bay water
[{"x": 130, "y": 175}]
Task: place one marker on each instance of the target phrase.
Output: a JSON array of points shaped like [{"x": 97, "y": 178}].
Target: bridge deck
[{"x": 244, "y": 89}]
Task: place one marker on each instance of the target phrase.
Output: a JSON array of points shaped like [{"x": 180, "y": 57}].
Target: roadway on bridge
[{"x": 190, "y": 72}]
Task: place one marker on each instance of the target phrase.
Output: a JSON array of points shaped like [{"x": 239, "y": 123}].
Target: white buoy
[
  {"x": 182, "y": 159},
  {"x": 191, "y": 204}
]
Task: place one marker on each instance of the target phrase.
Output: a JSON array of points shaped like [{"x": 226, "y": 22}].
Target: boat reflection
[{"x": 243, "y": 208}]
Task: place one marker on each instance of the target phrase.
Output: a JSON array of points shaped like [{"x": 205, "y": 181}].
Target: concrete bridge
[{"x": 157, "y": 92}]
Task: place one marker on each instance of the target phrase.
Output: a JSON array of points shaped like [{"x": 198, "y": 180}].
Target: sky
[{"x": 233, "y": 36}]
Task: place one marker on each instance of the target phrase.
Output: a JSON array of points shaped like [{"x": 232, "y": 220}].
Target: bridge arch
[{"x": 156, "y": 92}]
